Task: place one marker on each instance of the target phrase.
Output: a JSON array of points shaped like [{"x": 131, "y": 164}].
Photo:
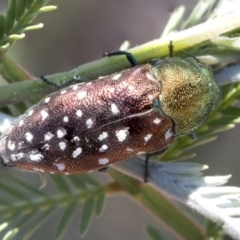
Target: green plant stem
[
  {"x": 12, "y": 71},
  {"x": 17, "y": 92},
  {"x": 178, "y": 223}
]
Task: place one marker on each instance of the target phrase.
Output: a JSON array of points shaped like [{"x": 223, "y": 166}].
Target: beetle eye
[{"x": 154, "y": 62}]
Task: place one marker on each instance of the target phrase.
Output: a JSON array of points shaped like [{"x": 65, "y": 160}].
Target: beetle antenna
[
  {"x": 189, "y": 54},
  {"x": 171, "y": 52}
]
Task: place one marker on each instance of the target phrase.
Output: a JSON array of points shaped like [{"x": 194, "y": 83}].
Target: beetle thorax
[{"x": 187, "y": 94}]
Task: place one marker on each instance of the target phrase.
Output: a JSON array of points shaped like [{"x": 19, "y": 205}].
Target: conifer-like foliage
[{"x": 24, "y": 209}]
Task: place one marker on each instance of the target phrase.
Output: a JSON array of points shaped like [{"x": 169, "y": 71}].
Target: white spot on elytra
[
  {"x": 60, "y": 166},
  {"x": 77, "y": 152},
  {"x": 79, "y": 113},
  {"x": 44, "y": 114},
  {"x": 102, "y": 136},
  {"x": 101, "y": 77},
  {"x": 131, "y": 88},
  {"x": 117, "y": 76},
  {"x": 11, "y": 145},
  {"x": 111, "y": 89},
  {"x": 157, "y": 120},
  {"x": 21, "y": 122},
  {"x": 17, "y": 156},
  {"x": 61, "y": 132},
  {"x": 103, "y": 161},
  {"x": 20, "y": 143},
  {"x": 64, "y": 91},
  {"x": 103, "y": 148},
  {"x": 140, "y": 153},
  {"x": 147, "y": 137},
  {"x": 150, "y": 77},
  {"x": 122, "y": 134},
  {"x": 30, "y": 112},
  {"x": 66, "y": 173},
  {"x": 36, "y": 157},
  {"x": 46, "y": 100},
  {"x": 66, "y": 119},
  {"x": 150, "y": 97},
  {"x": 48, "y": 136},
  {"x": 28, "y": 136},
  {"x": 62, "y": 145},
  {"x": 75, "y": 87},
  {"x": 46, "y": 146},
  {"x": 129, "y": 149},
  {"x": 89, "y": 123},
  {"x": 114, "y": 108},
  {"x": 82, "y": 94},
  {"x": 76, "y": 139},
  {"x": 168, "y": 134}
]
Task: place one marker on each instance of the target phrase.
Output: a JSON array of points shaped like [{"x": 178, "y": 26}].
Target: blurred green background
[{"x": 81, "y": 31}]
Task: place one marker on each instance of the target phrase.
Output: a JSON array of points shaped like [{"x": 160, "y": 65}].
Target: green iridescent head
[{"x": 188, "y": 92}]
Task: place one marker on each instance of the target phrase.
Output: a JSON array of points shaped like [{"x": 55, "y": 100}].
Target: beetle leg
[
  {"x": 146, "y": 170},
  {"x": 75, "y": 79},
  {"x": 132, "y": 60},
  {"x": 148, "y": 155},
  {"x": 192, "y": 135},
  {"x": 105, "y": 169},
  {"x": 49, "y": 82}
]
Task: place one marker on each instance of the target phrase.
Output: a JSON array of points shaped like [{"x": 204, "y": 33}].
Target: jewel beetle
[{"x": 89, "y": 126}]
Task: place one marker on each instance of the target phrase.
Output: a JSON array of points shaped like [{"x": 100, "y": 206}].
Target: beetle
[{"x": 89, "y": 126}]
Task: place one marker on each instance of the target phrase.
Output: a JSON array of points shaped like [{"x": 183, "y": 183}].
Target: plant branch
[
  {"x": 12, "y": 71},
  {"x": 183, "y": 181},
  {"x": 177, "y": 222},
  {"x": 199, "y": 34}
]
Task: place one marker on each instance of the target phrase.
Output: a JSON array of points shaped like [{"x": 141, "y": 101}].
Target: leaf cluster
[
  {"x": 21, "y": 202},
  {"x": 18, "y": 20},
  {"x": 22, "y": 206}
]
